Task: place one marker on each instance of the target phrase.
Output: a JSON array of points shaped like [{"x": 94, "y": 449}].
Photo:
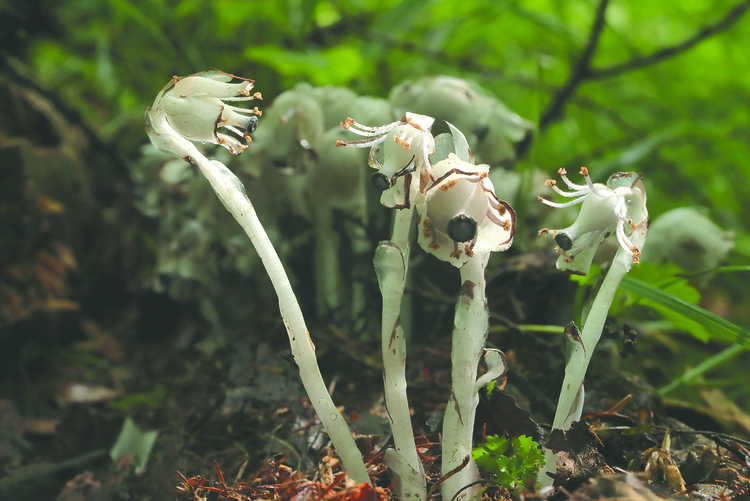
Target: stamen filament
[
  {"x": 625, "y": 242},
  {"x": 569, "y": 194},
  {"x": 364, "y": 130},
  {"x": 621, "y": 204},
  {"x": 362, "y": 143},
  {"x": 495, "y": 219},
  {"x": 238, "y": 98},
  {"x": 232, "y": 144},
  {"x": 590, "y": 183},
  {"x": 571, "y": 184},
  {"x": 235, "y": 130},
  {"x": 563, "y": 205}
]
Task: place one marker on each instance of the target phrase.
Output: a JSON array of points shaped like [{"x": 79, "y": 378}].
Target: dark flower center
[
  {"x": 461, "y": 228},
  {"x": 380, "y": 181}
]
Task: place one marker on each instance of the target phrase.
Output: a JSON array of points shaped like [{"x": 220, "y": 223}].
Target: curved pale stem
[
  {"x": 570, "y": 405},
  {"x": 231, "y": 192},
  {"x": 391, "y": 264},
  {"x": 469, "y": 335}
]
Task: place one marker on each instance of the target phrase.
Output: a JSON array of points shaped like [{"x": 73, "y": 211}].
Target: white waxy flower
[
  {"x": 406, "y": 169},
  {"x": 618, "y": 207},
  {"x": 461, "y": 214},
  {"x": 194, "y": 108},
  {"x": 688, "y": 238}
]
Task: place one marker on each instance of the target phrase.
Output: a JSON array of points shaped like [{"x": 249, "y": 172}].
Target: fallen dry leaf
[
  {"x": 50, "y": 206},
  {"x": 83, "y": 393}
]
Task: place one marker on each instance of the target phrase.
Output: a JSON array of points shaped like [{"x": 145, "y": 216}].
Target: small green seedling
[{"x": 509, "y": 469}]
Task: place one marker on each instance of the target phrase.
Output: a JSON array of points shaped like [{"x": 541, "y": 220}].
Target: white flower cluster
[
  {"x": 194, "y": 108},
  {"x": 406, "y": 168},
  {"x": 459, "y": 211},
  {"x": 618, "y": 207}
]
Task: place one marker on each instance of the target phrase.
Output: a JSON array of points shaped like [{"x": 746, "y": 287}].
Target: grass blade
[{"x": 714, "y": 324}]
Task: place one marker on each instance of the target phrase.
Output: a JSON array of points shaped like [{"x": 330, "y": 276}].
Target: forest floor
[{"x": 233, "y": 421}]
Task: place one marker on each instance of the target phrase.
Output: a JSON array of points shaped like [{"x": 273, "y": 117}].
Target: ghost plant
[
  {"x": 490, "y": 127},
  {"x": 618, "y": 208},
  {"x": 294, "y": 152},
  {"x": 462, "y": 221},
  {"x": 194, "y": 108},
  {"x": 405, "y": 170},
  {"x": 673, "y": 239}
]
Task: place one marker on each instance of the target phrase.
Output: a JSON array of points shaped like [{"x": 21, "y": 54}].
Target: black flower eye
[
  {"x": 252, "y": 125},
  {"x": 564, "y": 241},
  {"x": 462, "y": 228},
  {"x": 380, "y": 181}
]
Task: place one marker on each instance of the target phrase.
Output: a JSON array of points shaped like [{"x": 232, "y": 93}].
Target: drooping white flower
[
  {"x": 461, "y": 214},
  {"x": 406, "y": 169},
  {"x": 688, "y": 238},
  {"x": 618, "y": 207},
  {"x": 194, "y": 108}
]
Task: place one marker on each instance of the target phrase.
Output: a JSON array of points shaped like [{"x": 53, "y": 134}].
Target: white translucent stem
[
  {"x": 391, "y": 264},
  {"x": 469, "y": 335},
  {"x": 575, "y": 370},
  {"x": 569, "y": 406},
  {"x": 550, "y": 458},
  {"x": 232, "y": 194},
  {"x": 327, "y": 276}
]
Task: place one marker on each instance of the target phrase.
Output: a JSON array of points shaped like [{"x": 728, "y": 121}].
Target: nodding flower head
[
  {"x": 194, "y": 108},
  {"x": 406, "y": 168},
  {"x": 461, "y": 214},
  {"x": 618, "y": 207}
]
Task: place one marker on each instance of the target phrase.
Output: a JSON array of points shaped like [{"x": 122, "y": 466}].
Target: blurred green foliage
[
  {"x": 683, "y": 122},
  {"x": 642, "y": 103}
]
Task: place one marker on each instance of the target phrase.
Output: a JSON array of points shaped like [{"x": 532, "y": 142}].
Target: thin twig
[
  {"x": 581, "y": 70},
  {"x": 639, "y": 62}
]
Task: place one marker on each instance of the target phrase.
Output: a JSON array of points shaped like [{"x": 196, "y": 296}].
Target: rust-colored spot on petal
[
  {"x": 404, "y": 144},
  {"x": 448, "y": 185}
]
